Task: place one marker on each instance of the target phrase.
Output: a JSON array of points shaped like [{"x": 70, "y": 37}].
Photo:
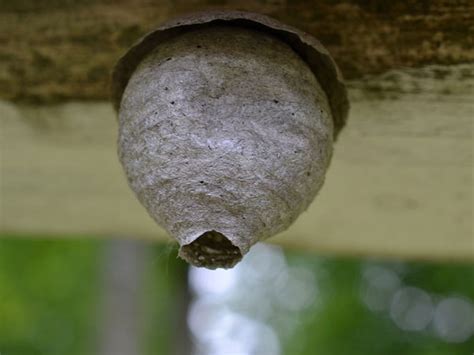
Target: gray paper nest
[{"x": 226, "y": 126}]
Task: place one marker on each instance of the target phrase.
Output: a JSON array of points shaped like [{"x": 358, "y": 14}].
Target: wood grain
[{"x": 53, "y": 50}]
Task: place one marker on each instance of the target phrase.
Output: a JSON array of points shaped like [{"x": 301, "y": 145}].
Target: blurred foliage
[
  {"x": 50, "y": 294},
  {"x": 164, "y": 285},
  {"x": 344, "y": 325}
]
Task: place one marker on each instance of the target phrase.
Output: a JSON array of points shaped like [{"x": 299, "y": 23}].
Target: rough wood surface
[
  {"x": 400, "y": 184},
  {"x": 53, "y": 50}
]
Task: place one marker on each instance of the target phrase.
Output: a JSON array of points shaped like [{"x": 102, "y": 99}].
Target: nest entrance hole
[{"x": 211, "y": 250}]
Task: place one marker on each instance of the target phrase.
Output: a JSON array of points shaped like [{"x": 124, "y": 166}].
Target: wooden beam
[
  {"x": 54, "y": 50},
  {"x": 400, "y": 185}
]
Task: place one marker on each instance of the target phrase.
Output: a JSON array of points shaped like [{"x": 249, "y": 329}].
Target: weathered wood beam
[
  {"x": 400, "y": 185},
  {"x": 53, "y": 50}
]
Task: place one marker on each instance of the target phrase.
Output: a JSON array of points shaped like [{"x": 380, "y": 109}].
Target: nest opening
[{"x": 211, "y": 250}]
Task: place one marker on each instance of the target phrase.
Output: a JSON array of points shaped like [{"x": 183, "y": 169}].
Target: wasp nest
[{"x": 226, "y": 127}]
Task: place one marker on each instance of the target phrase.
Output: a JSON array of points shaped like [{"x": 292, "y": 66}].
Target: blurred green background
[{"x": 59, "y": 297}]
